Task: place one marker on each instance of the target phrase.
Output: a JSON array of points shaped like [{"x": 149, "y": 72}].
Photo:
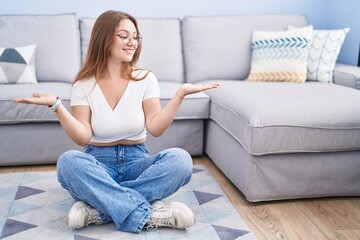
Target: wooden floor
[{"x": 308, "y": 219}]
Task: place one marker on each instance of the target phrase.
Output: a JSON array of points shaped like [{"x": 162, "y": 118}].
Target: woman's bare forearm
[
  {"x": 75, "y": 129},
  {"x": 163, "y": 119}
]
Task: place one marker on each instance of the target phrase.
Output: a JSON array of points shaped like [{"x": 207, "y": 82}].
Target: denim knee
[
  {"x": 66, "y": 164},
  {"x": 182, "y": 162}
]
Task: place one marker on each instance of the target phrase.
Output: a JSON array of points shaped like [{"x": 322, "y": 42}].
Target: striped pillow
[{"x": 280, "y": 56}]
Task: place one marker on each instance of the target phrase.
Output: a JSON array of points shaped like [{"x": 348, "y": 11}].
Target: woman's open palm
[
  {"x": 189, "y": 88},
  {"x": 38, "y": 98}
]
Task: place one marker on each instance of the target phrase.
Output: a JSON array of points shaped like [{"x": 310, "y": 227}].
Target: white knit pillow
[{"x": 324, "y": 51}]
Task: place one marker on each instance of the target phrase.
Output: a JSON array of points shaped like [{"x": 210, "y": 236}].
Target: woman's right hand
[{"x": 39, "y": 99}]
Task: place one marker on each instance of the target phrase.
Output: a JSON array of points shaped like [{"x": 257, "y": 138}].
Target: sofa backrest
[
  {"x": 219, "y": 47},
  {"x": 161, "y": 48},
  {"x": 57, "y": 43}
]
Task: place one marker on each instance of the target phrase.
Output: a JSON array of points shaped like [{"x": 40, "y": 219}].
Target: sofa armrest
[{"x": 347, "y": 75}]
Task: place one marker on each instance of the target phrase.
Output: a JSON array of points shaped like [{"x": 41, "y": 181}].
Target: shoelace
[
  {"x": 159, "y": 221},
  {"x": 91, "y": 216},
  {"x": 152, "y": 225}
]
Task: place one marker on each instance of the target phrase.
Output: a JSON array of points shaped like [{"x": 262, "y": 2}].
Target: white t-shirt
[{"x": 127, "y": 120}]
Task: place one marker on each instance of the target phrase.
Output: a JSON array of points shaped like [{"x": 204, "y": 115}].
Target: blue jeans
[{"x": 121, "y": 181}]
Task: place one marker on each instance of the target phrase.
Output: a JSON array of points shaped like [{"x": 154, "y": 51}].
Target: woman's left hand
[{"x": 189, "y": 88}]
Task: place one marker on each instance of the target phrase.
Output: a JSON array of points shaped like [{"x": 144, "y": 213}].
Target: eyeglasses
[{"x": 127, "y": 38}]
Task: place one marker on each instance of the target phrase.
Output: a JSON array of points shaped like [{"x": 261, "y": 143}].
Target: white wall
[
  {"x": 341, "y": 14},
  {"x": 164, "y": 8}
]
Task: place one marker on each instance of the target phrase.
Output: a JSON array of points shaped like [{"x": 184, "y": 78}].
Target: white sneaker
[
  {"x": 175, "y": 215},
  {"x": 157, "y": 204},
  {"x": 81, "y": 214}
]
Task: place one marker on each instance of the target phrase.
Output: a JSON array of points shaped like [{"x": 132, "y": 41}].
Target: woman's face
[{"x": 125, "y": 42}]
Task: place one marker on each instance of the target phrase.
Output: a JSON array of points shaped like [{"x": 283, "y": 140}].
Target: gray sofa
[{"x": 272, "y": 140}]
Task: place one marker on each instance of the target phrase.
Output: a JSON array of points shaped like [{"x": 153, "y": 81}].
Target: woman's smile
[{"x": 129, "y": 50}]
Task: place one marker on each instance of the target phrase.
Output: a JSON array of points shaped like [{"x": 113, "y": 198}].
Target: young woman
[{"x": 114, "y": 104}]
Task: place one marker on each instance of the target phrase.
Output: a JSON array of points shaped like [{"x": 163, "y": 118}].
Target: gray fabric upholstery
[
  {"x": 56, "y": 38},
  {"x": 220, "y": 47},
  {"x": 33, "y": 143},
  {"x": 86, "y": 25},
  {"x": 161, "y": 47},
  {"x": 347, "y": 75},
  {"x": 186, "y": 134},
  {"x": 269, "y": 118},
  {"x": 283, "y": 176}
]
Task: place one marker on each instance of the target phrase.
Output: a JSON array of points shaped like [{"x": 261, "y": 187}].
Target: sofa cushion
[
  {"x": 11, "y": 113},
  {"x": 209, "y": 41},
  {"x": 271, "y": 118},
  {"x": 161, "y": 46},
  {"x": 56, "y": 38},
  {"x": 17, "y": 65},
  {"x": 195, "y": 106},
  {"x": 280, "y": 56}
]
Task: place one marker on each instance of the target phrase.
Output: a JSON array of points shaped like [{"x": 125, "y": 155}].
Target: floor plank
[{"x": 33, "y": 168}]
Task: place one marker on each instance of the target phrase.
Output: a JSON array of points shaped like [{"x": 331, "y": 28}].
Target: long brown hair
[{"x": 102, "y": 36}]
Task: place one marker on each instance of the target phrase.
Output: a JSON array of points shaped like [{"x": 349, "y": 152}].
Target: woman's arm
[
  {"x": 77, "y": 126},
  {"x": 157, "y": 120}
]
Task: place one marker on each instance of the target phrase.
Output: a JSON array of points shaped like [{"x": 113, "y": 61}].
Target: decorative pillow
[
  {"x": 280, "y": 56},
  {"x": 17, "y": 65},
  {"x": 324, "y": 51}
]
